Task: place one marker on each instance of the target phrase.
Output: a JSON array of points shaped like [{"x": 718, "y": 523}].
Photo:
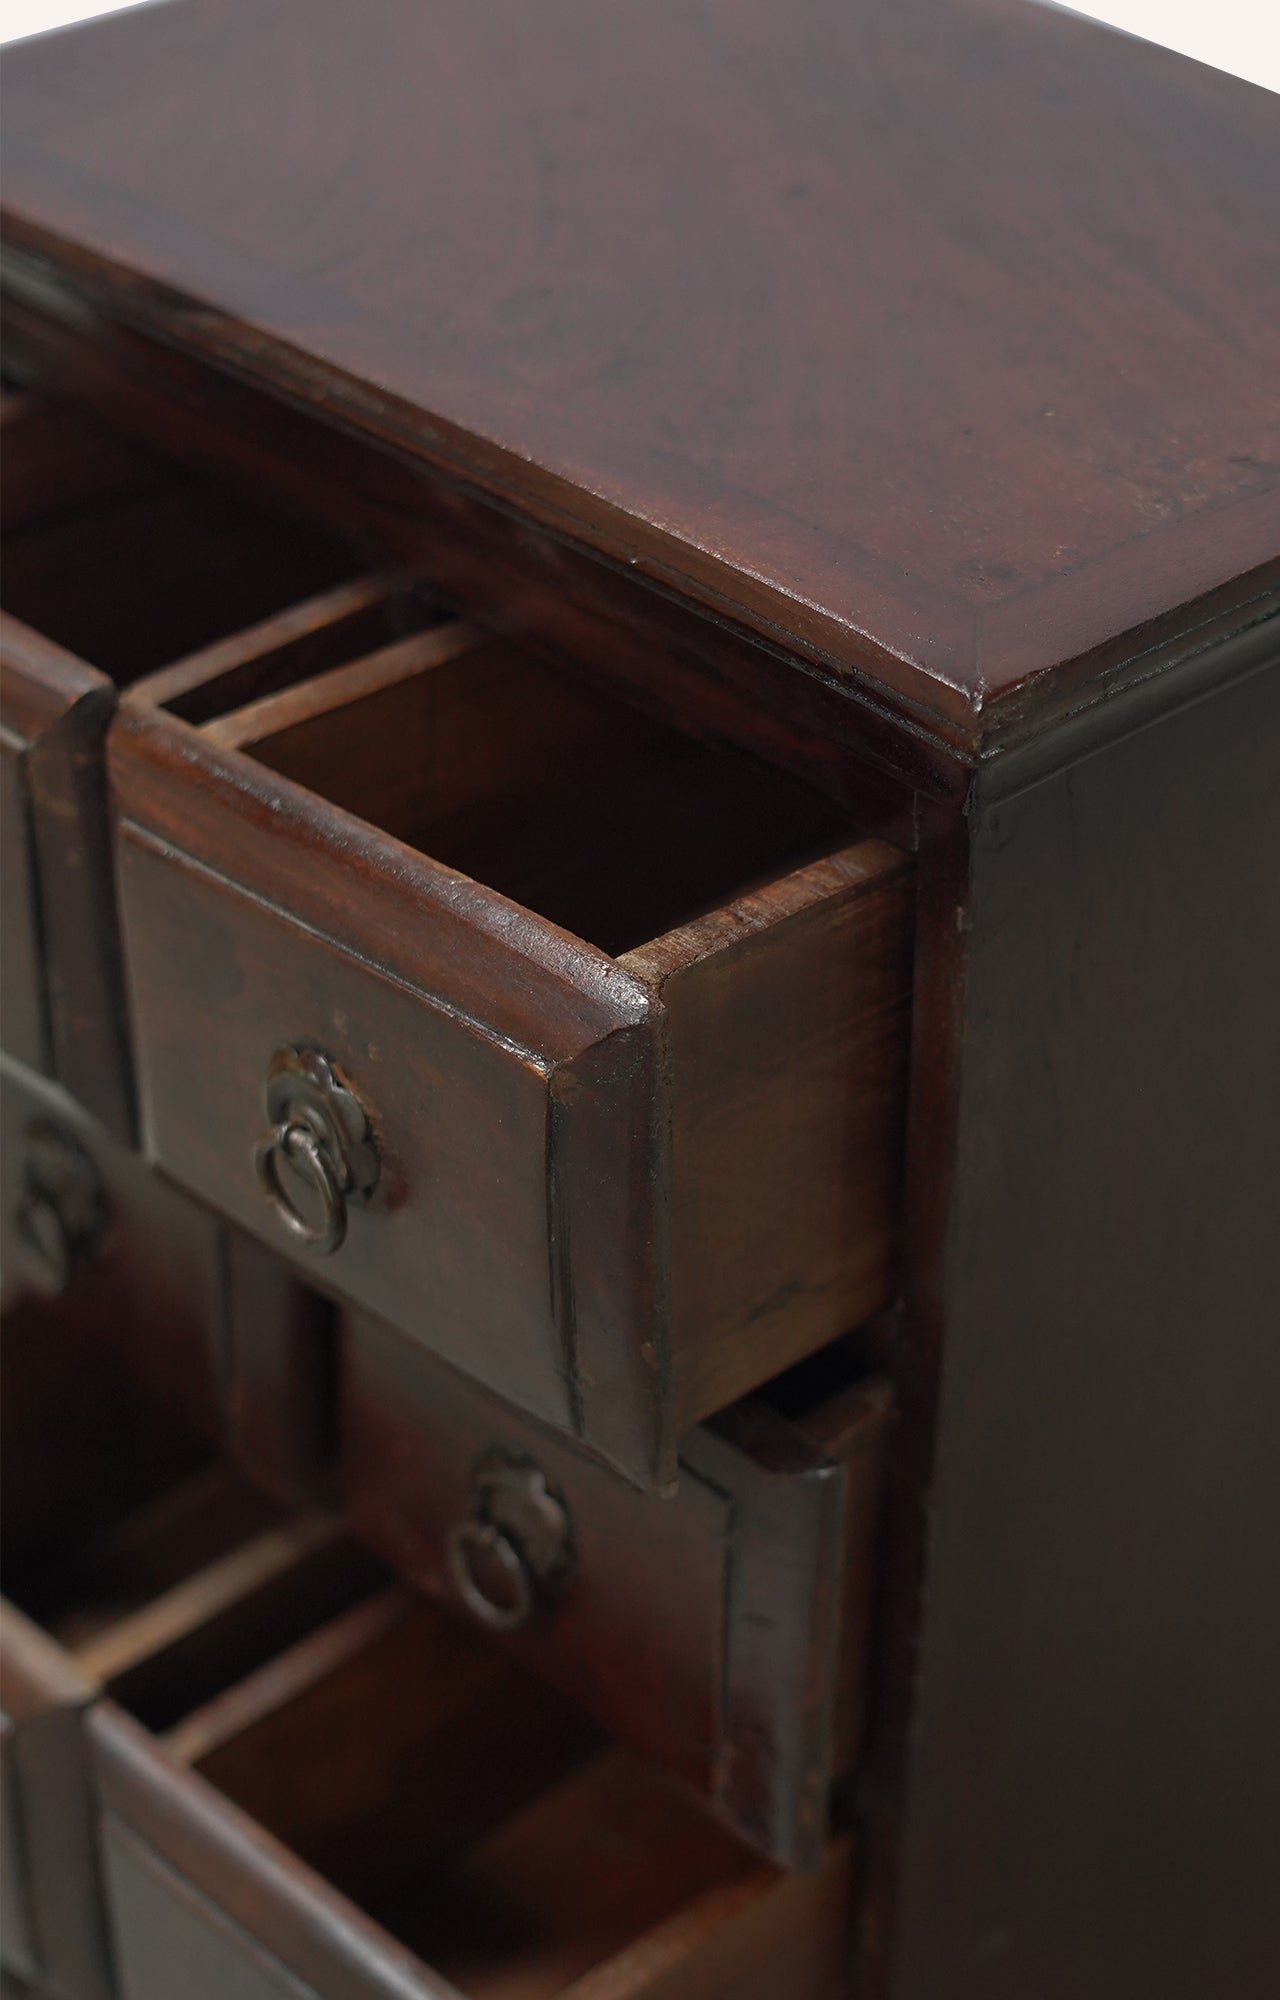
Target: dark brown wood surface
[
  {"x": 138, "y": 1332},
  {"x": 708, "y": 1629},
  {"x": 24, "y": 1023},
  {"x": 421, "y": 863},
  {"x": 938, "y": 338},
  {"x": 391, "y": 1808},
  {"x": 1092, "y": 1802},
  {"x": 63, "y": 999}
]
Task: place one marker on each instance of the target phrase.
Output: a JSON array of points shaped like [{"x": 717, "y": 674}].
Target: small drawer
[
  {"x": 391, "y": 1811},
  {"x": 114, "y": 564},
  {"x": 575, "y": 1044},
  {"x": 159, "y": 1602},
  {"x": 181, "y": 1336},
  {"x": 722, "y": 1631},
  {"x": 114, "y": 1281}
]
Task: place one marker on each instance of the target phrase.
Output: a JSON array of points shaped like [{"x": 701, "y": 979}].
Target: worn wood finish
[
  {"x": 919, "y": 444},
  {"x": 63, "y": 1003},
  {"x": 90, "y": 618},
  {"x": 709, "y": 1630},
  {"x": 544, "y": 1071},
  {"x": 138, "y": 1327},
  {"x": 785, "y": 1017},
  {"x": 302, "y": 640},
  {"x": 56, "y": 1933},
  {"x": 536, "y": 585},
  {"x": 545, "y": 1868},
  {"x": 920, "y": 409},
  {"x": 159, "y": 1605}
]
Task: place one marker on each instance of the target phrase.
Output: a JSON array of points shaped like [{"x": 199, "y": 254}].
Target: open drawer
[
  {"x": 114, "y": 564},
  {"x": 578, "y": 1044},
  {"x": 723, "y": 1631},
  {"x": 157, "y": 1592},
  {"x": 392, "y": 1811}
]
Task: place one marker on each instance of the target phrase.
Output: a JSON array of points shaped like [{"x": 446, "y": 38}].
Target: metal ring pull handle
[
  {"x": 513, "y": 1557},
  {"x": 320, "y": 1130},
  {"x": 493, "y": 1578},
  {"x": 298, "y": 1144}
]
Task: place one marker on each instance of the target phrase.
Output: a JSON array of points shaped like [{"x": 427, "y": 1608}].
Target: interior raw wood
[
  {"x": 308, "y": 638},
  {"x": 544, "y": 787},
  {"x": 466, "y": 1814}
]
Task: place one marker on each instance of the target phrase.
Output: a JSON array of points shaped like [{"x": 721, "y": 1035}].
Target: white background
[{"x": 1239, "y": 35}]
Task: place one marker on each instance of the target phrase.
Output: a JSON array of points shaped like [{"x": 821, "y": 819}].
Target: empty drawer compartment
[
  {"x": 392, "y": 1809},
  {"x": 114, "y": 564},
  {"x": 154, "y": 1587},
  {"x": 577, "y": 1045}
]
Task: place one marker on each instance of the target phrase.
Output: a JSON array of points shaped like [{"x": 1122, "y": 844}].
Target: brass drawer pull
[
  {"x": 512, "y": 1557},
  {"x": 320, "y": 1131}
]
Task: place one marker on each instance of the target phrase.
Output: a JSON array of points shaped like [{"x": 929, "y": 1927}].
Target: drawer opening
[
  {"x": 129, "y": 563},
  {"x": 368, "y": 613},
  {"x": 457, "y": 1802},
  {"x": 162, "y": 1597},
  {"x": 551, "y": 791}
]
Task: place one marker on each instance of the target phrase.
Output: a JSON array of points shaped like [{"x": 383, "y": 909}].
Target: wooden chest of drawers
[{"x": 638, "y": 718}]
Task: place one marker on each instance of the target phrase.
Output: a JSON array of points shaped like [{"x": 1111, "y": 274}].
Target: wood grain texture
[
  {"x": 861, "y": 353},
  {"x": 301, "y": 640},
  {"x": 785, "y": 1021},
  {"x": 1091, "y": 1806},
  {"x": 600, "y": 1884},
  {"x": 640, "y": 1636},
  {"x": 537, "y": 1122},
  {"x": 722, "y": 1632},
  {"x": 712, "y": 678}
]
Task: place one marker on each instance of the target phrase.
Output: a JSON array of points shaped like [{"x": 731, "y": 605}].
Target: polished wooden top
[{"x": 937, "y": 338}]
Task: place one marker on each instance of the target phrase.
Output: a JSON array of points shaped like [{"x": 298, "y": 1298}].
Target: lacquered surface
[{"x": 939, "y": 336}]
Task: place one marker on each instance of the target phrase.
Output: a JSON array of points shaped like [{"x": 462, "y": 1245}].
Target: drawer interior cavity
[
  {"x": 161, "y": 1579},
  {"x": 129, "y": 562},
  {"x": 553, "y": 791},
  {"x": 466, "y": 1809}
]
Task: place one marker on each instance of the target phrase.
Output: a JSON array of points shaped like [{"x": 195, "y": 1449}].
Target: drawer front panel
[
  {"x": 113, "y": 1281},
  {"x": 638, "y": 1635},
  {"x": 621, "y": 1190},
  {"x": 722, "y": 1630},
  {"x": 454, "y": 1241}
]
